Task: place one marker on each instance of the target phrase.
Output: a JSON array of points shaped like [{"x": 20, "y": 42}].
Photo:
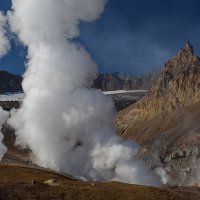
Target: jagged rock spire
[
  {"x": 189, "y": 48},
  {"x": 184, "y": 57}
]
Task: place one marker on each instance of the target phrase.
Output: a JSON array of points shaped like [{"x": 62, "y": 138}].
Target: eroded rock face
[
  {"x": 115, "y": 81},
  {"x": 166, "y": 122}
]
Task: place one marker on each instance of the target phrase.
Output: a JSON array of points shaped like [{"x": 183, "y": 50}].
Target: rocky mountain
[
  {"x": 10, "y": 83},
  {"x": 118, "y": 82},
  {"x": 115, "y": 81},
  {"x": 166, "y": 122}
]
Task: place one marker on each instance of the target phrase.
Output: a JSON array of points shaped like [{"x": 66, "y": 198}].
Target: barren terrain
[{"x": 20, "y": 180}]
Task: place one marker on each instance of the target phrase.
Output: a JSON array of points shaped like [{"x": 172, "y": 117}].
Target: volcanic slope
[
  {"x": 20, "y": 179},
  {"x": 166, "y": 122}
]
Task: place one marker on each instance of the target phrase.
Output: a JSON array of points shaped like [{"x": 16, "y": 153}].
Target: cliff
[{"x": 115, "y": 81}]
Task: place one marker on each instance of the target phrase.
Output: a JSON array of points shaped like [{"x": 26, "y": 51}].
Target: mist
[
  {"x": 3, "y": 117},
  {"x": 68, "y": 125}
]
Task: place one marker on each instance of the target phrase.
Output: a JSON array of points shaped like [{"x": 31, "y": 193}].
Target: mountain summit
[
  {"x": 179, "y": 83},
  {"x": 166, "y": 122}
]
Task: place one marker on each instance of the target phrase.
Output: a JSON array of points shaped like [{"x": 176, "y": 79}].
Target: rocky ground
[
  {"x": 20, "y": 179},
  {"x": 21, "y": 182}
]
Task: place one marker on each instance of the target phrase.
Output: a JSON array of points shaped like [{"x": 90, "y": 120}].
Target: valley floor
[{"x": 21, "y": 182}]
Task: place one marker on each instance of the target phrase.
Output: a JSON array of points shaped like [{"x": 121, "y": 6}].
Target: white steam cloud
[
  {"x": 3, "y": 117},
  {"x": 4, "y": 42},
  {"x": 68, "y": 126}
]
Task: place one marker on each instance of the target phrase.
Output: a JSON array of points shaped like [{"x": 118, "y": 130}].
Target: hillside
[{"x": 166, "y": 122}]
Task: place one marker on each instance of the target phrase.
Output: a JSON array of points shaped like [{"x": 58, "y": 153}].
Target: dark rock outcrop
[
  {"x": 10, "y": 83},
  {"x": 115, "y": 81},
  {"x": 9, "y": 105}
]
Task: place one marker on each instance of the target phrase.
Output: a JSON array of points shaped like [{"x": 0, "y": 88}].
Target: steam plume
[
  {"x": 4, "y": 42},
  {"x": 3, "y": 117},
  {"x": 68, "y": 126}
]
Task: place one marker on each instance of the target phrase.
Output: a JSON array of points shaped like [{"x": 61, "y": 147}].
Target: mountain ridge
[
  {"x": 166, "y": 121},
  {"x": 116, "y": 81}
]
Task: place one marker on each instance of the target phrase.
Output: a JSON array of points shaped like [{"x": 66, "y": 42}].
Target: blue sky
[{"x": 132, "y": 36}]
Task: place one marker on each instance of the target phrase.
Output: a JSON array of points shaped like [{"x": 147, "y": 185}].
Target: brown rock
[{"x": 167, "y": 120}]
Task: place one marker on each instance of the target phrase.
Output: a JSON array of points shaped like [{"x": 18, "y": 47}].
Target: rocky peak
[
  {"x": 189, "y": 48},
  {"x": 166, "y": 121},
  {"x": 180, "y": 76},
  {"x": 177, "y": 87},
  {"x": 186, "y": 52},
  {"x": 184, "y": 57}
]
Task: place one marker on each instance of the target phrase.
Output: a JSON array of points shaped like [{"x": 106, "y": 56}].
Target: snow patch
[{"x": 124, "y": 92}]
